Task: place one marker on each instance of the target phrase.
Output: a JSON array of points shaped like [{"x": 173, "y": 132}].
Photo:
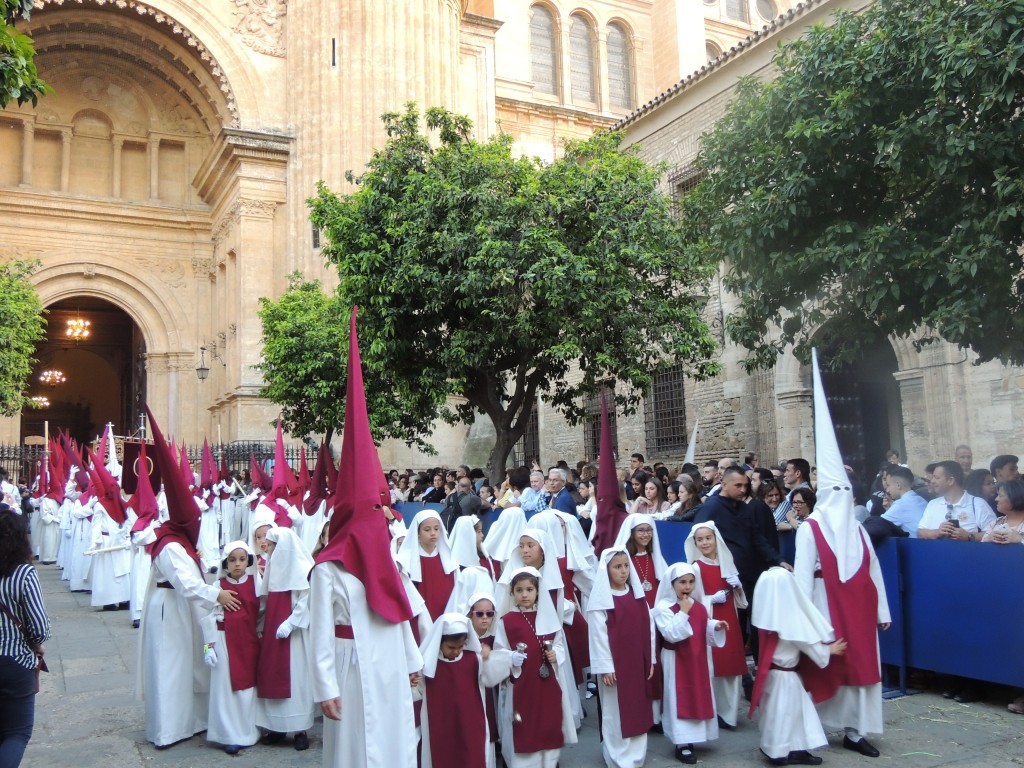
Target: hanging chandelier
[
  {"x": 52, "y": 377},
  {"x": 78, "y": 329},
  {"x": 41, "y": 402}
]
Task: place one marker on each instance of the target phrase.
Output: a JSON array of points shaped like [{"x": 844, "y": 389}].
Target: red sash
[
  {"x": 629, "y": 637},
  {"x": 693, "y": 676},
  {"x": 456, "y": 713},
  {"x": 240, "y": 634},
  {"x": 730, "y": 660},
  {"x": 274, "y": 676},
  {"x": 537, "y": 700},
  {"x": 435, "y": 585},
  {"x": 768, "y": 642},
  {"x": 853, "y": 611}
]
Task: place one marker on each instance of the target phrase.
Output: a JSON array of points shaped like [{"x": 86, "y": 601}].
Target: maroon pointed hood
[
  {"x": 182, "y": 524},
  {"x": 208, "y": 469},
  {"x": 284, "y": 485},
  {"x": 611, "y": 512},
  {"x": 259, "y": 478},
  {"x": 359, "y": 538},
  {"x": 144, "y": 501},
  {"x": 318, "y": 488},
  {"x": 107, "y": 491},
  {"x": 185, "y": 466}
]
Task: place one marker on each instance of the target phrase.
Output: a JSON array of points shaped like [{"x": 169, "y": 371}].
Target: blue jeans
[{"x": 17, "y": 710}]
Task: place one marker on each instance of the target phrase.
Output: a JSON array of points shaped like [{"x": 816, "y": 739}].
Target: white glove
[
  {"x": 518, "y": 659},
  {"x": 720, "y": 597},
  {"x": 284, "y": 630},
  {"x": 734, "y": 581},
  {"x": 209, "y": 656}
]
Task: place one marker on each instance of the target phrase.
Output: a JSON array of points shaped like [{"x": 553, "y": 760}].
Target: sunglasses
[{"x": 482, "y": 614}]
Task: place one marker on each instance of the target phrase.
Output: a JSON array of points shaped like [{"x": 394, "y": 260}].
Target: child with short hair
[
  {"x": 622, "y": 659},
  {"x": 687, "y": 633},
  {"x": 536, "y": 718},
  {"x": 235, "y": 656}
]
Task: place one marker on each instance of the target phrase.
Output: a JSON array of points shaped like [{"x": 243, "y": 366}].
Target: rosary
[
  {"x": 545, "y": 670},
  {"x": 643, "y": 571}
]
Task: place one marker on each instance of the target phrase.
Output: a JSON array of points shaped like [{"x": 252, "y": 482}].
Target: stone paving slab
[{"x": 87, "y": 716}]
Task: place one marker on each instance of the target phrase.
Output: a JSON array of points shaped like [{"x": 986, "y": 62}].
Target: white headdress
[
  {"x": 416, "y": 601},
  {"x": 446, "y": 624},
  {"x": 288, "y": 566},
  {"x": 548, "y": 620},
  {"x": 230, "y": 547},
  {"x": 666, "y": 597},
  {"x": 551, "y": 574},
  {"x": 409, "y": 553},
  {"x": 463, "y": 541},
  {"x": 725, "y": 562},
  {"x": 503, "y": 536},
  {"x": 601, "y": 597},
  {"x": 469, "y": 582},
  {"x": 631, "y": 522},
  {"x": 780, "y": 606},
  {"x": 834, "y": 507},
  {"x": 568, "y": 537},
  {"x": 691, "y": 449}
]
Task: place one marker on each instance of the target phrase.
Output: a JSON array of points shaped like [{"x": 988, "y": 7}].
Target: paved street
[{"x": 87, "y": 715}]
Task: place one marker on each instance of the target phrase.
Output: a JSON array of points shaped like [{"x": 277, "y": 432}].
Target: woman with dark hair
[
  {"x": 803, "y": 501},
  {"x": 688, "y": 499},
  {"x": 23, "y": 628},
  {"x": 652, "y": 500},
  {"x": 980, "y": 483}
]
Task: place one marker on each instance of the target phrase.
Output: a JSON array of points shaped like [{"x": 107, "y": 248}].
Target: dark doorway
[
  {"x": 104, "y": 377},
  {"x": 864, "y": 400}
]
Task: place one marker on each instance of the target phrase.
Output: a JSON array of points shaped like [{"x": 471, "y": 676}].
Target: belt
[
  {"x": 220, "y": 626},
  {"x": 669, "y": 646},
  {"x": 164, "y": 585},
  {"x": 344, "y": 632},
  {"x": 783, "y": 669},
  {"x": 818, "y": 574}
]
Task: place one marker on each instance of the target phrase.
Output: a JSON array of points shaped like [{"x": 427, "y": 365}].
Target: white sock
[{"x": 853, "y": 735}]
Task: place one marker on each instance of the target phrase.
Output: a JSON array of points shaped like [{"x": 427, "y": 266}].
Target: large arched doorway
[
  {"x": 864, "y": 400},
  {"x": 90, "y": 380}
]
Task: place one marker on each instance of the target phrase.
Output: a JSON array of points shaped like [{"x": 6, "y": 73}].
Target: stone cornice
[
  {"x": 231, "y": 148},
  {"x": 31, "y": 202}
]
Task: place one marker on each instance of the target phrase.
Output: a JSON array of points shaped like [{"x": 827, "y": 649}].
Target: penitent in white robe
[
  {"x": 48, "y": 530},
  {"x": 853, "y": 706},
  {"x": 173, "y": 679},
  {"x": 675, "y": 627},
  {"x": 111, "y": 571},
  {"x": 295, "y": 713},
  {"x": 309, "y": 527},
  {"x": 209, "y": 540},
  {"x": 789, "y": 721},
  {"x": 79, "y": 564},
  {"x": 370, "y": 674}
]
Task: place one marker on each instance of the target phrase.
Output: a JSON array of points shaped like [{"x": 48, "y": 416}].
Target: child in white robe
[{"x": 789, "y": 626}]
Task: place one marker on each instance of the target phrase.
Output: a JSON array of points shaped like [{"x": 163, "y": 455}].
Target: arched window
[
  {"x": 620, "y": 68},
  {"x": 711, "y": 50},
  {"x": 581, "y": 61},
  {"x": 543, "y": 50},
  {"x": 737, "y": 10}
]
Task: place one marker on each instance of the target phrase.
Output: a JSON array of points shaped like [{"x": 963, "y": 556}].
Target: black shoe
[
  {"x": 232, "y": 749},
  {"x": 748, "y": 686},
  {"x": 135, "y": 624},
  {"x": 862, "y": 746},
  {"x": 803, "y": 757},
  {"x": 301, "y": 741},
  {"x": 776, "y": 760},
  {"x": 950, "y": 693},
  {"x": 656, "y": 728},
  {"x": 685, "y": 754},
  {"x": 111, "y": 607},
  {"x": 966, "y": 695},
  {"x": 724, "y": 725},
  {"x": 272, "y": 737}
]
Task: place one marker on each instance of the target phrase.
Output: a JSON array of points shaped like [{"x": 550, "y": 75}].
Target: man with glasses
[{"x": 953, "y": 513}]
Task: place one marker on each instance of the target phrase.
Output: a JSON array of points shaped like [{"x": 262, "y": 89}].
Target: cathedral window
[
  {"x": 543, "y": 50},
  {"x": 581, "y": 60},
  {"x": 620, "y": 68}
]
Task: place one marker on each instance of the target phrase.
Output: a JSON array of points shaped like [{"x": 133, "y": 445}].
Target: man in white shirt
[{"x": 953, "y": 513}]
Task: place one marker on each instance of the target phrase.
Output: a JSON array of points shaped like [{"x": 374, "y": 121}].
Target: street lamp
[{"x": 202, "y": 370}]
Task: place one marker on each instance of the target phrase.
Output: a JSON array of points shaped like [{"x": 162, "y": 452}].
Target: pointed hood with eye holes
[
  {"x": 359, "y": 538},
  {"x": 182, "y": 524},
  {"x": 611, "y": 510},
  {"x": 834, "y": 508}
]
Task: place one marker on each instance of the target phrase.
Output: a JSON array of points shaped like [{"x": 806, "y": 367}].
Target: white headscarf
[
  {"x": 416, "y": 601},
  {"x": 666, "y": 597},
  {"x": 631, "y": 522},
  {"x": 725, "y": 562},
  {"x": 231, "y": 547},
  {"x": 475, "y": 598},
  {"x": 548, "y": 621},
  {"x": 570, "y": 542},
  {"x": 409, "y": 553},
  {"x": 398, "y": 531},
  {"x": 469, "y": 582},
  {"x": 551, "y": 574},
  {"x": 601, "y": 596},
  {"x": 779, "y": 606},
  {"x": 503, "y": 536},
  {"x": 833, "y": 510},
  {"x": 288, "y": 566},
  {"x": 261, "y": 516},
  {"x": 462, "y": 541},
  {"x": 446, "y": 624}
]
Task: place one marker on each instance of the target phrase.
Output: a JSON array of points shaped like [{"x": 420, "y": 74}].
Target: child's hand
[
  {"x": 838, "y": 648},
  {"x": 723, "y": 625},
  {"x": 414, "y": 679},
  {"x": 608, "y": 679},
  {"x": 485, "y": 652},
  {"x": 331, "y": 708},
  {"x": 551, "y": 657},
  {"x": 684, "y": 604},
  {"x": 651, "y": 673}
]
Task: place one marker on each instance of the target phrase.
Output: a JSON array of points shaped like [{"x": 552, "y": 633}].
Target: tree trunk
[{"x": 504, "y": 442}]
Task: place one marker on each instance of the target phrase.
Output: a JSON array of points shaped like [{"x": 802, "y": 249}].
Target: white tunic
[
  {"x": 370, "y": 674},
  {"x": 141, "y": 566},
  {"x": 48, "y": 529},
  {"x": 209, "y": 539},
  {"x": 789, "y": 721},
  {"x": 295, "y": 713},
  {"x": 64, "y": 546},
  {"x": 853, "y": 706},
  {"x": 675, "y": 627},
  {"x": 174, "y": 680},
  {"x": 79, "y": 564},
  {"x": 111, "y": 571},
  {"x": 309, "y": 527}
]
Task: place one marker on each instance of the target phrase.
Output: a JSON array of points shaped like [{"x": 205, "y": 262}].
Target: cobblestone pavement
[{"x": 86, "y": 715}]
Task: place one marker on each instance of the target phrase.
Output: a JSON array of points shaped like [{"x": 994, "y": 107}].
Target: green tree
[
  {"x": 305, "y": 367},
  {"x": 489, "y": 277},
  {"x": 22, "y": 328},
  {"x": 18, "y": 78},
  {"x": 876, "y": 181}
]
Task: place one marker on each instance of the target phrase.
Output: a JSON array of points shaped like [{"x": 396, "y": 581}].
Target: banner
[{"x": 130, "y": 466}]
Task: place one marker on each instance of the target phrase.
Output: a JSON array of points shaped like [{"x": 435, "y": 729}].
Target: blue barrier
[{"x": 410, "y": 508}]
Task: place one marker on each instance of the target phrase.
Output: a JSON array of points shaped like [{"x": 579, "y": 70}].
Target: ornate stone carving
[
  {"x": 260, "y": 24},
  {"x": 143, "y": 9},
  {"x": 233, "y": 329},
  {"x": 171, "y": 273},
  {"x": 202, "y": 267},
  {"x": 88, "y": 271},
  {"x": 266, "y": 208}
]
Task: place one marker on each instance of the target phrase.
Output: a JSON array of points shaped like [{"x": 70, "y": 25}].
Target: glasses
[
  {"x": 483, "y": 614},
  {"x": 799, "y": 501}
]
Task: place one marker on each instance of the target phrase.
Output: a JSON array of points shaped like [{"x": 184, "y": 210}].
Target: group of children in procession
[{"x": 501, "y": 637}]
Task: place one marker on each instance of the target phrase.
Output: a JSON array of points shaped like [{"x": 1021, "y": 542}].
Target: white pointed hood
[
  {"x": 834, "y": 508},
  {"x": 691, "y": 449}
]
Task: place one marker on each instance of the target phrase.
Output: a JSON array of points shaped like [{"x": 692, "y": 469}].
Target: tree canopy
[
  {"x": 495, "y": 278},
  {"x": 22, "y": 328},
  {"x": 305, "y": 368},
  {"x": 875, "y": 181},
  {"x": 18, "y": 78}
]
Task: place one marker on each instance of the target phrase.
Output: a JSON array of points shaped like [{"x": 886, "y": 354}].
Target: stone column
[
  {"x": 153, "y": 152},
  {"x": 65, "y": 160},
  {"x": 118, "y": 146},
  {"x": 916, "y": 434},
  {"x": 28, "y": 134},
  {"x": 795, "y": 424},
  {"x": 170, "y": 381}
]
